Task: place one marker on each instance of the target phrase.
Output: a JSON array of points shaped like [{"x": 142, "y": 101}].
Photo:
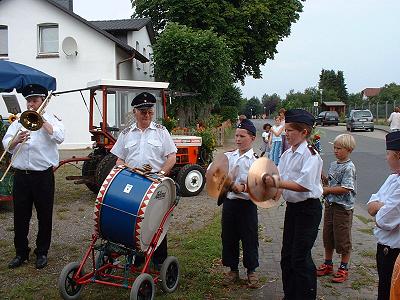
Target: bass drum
[{"x": 130, "y": 207}]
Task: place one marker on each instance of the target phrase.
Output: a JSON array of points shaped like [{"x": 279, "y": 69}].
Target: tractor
[{"x": 110, "y": 112}]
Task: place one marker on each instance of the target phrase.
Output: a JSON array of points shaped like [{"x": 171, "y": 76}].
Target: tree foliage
[
  {"x": 389, "y": 93},
  {"x": 252, "y": 28},
  {"x": 192, "y": 61},
  {"x": 333, "y": 86},
  {"x": 253, "y": 107},
  {"x": 270, "y": 103}
]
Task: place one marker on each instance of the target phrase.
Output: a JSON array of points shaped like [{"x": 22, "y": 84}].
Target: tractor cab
[{"x": 110, "y": 112}]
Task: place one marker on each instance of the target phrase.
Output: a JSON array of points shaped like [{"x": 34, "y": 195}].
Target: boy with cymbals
[{"x": 300, "y": 169}]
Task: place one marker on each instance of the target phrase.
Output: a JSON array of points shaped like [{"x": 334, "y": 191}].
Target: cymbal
[
  {"x": 259, "y": 193},
  {"x": 218, "y": 181}
]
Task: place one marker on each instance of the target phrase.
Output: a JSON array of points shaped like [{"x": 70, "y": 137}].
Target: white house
[{"x": 49, "y": 36}]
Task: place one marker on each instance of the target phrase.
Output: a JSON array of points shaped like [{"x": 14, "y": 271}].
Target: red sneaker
[
  {"x": 324, "y": 269},
  {"x": 340, "y": 276}
]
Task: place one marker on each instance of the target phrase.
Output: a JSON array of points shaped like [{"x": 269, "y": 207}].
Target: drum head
[{"x": 157, "y": 201}]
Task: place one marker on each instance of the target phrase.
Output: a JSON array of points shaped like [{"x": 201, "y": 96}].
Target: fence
[{"x": 378, "y": 110}]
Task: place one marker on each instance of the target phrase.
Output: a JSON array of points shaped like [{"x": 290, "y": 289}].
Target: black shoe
[
  {"x": 17, "y": 262},
  {"x": 41, "y": 261}
]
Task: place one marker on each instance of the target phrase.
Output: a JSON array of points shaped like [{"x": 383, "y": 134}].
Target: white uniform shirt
[
  {"x": 151, "y": 146},
  {"x": 387, "y": 219},
  {"x": 305, "y": 169},
  {"x": 40, "y": 151},
  {"x": 243, "y": 164},
  {"x": 394, "y": 121}
]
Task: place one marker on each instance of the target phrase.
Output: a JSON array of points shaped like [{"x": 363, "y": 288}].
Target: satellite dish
[{"x": 69, "y": 46}]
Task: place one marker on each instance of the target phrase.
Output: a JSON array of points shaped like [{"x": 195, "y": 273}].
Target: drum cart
[
  {"x": 111, "y": 262},
  {"x": 107, "y": 259}
]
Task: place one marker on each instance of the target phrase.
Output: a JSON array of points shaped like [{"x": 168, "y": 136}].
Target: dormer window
[
  {"x": 48, "y": 40},
  {"x": 3, "y": 41}
]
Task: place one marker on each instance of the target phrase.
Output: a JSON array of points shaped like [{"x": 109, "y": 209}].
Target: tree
[
  {"x": 253, "y": 107},
  {"x": 270, "y": 102},
  {"x": 229, "y": 104},
  {"x": 333, "y": 86},
  {"x": 200, "y": 64},
  {"x": 390, "y": 92},
  {"x": 251, "y": 29}
]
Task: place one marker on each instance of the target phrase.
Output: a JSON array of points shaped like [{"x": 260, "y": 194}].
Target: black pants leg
[
  {"x": 23, "y": 202},
  {"x": 38, "y": 189},
  {"x": 298, "y": 269},
  {"x": 161, "y": 252},
  {"x": 43, "y": 195},
  {"x": 385, "y": 260},
  {"x": 239, "y": 223}
]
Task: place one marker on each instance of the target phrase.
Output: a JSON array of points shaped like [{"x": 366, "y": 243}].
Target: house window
[
  {"x": 3, "y": 40},
  {"x": 137, "y": 61},
  {"x": 144, "y": 64},
  {"x": 151, "y": 66},
  {"x": 48, "y": 39}
]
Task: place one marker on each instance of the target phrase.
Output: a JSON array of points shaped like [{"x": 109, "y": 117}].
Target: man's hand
[{"x": 238, "y": 188}]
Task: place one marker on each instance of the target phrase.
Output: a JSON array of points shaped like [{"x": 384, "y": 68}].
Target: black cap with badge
[
  {"x": 299, "y": 116},
  {"x": 143, "y": 100},
  {"x": 31, "y": 90},
  {"x": 248, "y": 125},
  {"x": 393, "y": 141}
]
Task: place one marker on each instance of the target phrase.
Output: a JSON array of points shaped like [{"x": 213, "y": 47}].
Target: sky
[{"x": 359, "y": 37}]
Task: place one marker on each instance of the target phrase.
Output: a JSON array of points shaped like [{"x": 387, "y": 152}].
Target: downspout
[{"x": 122, "y": 61}]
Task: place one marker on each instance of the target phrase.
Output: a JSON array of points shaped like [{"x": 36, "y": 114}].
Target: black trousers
[
  {"x": 239, "y": 223},
  {"x": 385, "y": 259},
  {"x": 33, "y": 188},
  {"x": 299, "y": 276}
]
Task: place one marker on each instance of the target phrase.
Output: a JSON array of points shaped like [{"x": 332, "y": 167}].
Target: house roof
[
  {"x": 119, "y": 43},
  {"x": 125, "y": 25},
  {"x": 371, "y": 92},
  {"x": 334, "y": 103}
]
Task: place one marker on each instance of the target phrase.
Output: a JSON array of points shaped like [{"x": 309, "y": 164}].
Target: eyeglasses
[{"x": 145, "y": 112}]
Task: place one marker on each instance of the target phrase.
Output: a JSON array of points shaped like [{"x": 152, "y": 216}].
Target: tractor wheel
[
  {"x": 191, "y": 179},
  {"x": 89, "y": 169},
  {"x": 104, "y": 168}
]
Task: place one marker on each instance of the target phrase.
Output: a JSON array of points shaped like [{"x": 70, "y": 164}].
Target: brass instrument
[{"x": 30, "y": 120}]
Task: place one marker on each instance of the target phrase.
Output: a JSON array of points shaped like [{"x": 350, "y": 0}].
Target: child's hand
[
  {"x": 324, "y": 180},
  {"x": 374, "y": 207},
  {"x": 238, "y": 188}
]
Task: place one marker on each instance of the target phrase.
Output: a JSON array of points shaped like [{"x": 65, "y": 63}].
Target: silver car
[{"x": 360, "y": 119}]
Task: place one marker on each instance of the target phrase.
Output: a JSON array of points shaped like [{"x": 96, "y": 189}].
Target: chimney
[{"x": 68, "y": 4}]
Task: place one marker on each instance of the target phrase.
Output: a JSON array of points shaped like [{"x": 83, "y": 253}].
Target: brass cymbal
[
  {"x": 259, "y": 193},
  {"x": 217, "y": 179}
]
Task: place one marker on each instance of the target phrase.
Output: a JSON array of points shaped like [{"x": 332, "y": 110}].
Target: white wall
[
  {"x": 96, "y": 59},
  {"x": 144, "y": 42}
]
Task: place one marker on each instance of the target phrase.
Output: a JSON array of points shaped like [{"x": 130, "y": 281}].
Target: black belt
[
  {"x": 30, "y": 172},
  {"x": 387, "y": 249}
]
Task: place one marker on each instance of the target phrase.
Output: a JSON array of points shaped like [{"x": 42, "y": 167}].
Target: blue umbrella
[{"x": 16, "y": 76}]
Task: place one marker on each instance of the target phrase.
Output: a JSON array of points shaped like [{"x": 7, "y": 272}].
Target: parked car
[
  {"x": 360, "y": 119},
  {"x": 327, "y": 118}
]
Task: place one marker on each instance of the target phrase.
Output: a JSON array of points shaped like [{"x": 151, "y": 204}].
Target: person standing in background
[
  {"x": 394, "y": 120},
  {"x": 276, "y": 141}
]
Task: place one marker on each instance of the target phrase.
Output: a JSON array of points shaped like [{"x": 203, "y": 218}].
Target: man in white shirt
[
  {"x": 146, "y": 142},
  {"x": 35, "y": 154},
  {"x": 394, "y": 120}
]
